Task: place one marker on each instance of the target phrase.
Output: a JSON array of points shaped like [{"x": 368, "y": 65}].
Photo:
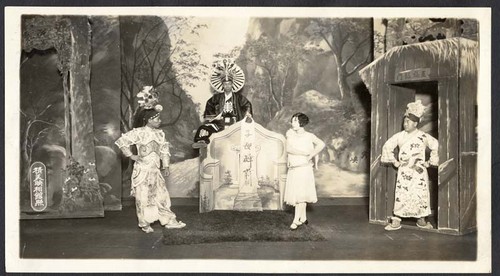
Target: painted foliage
[
  {"x": 153, "y": 53},
  {"x": 309, "y": 65},
  {"x": 291, "y": 65},
  {"x": 56, "y": 119},
  {"x": 42, "y": 124}
]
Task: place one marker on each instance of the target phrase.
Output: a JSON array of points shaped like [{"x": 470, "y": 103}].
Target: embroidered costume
[
  {"x": 148, "y": 184},
  {"x": 412, "y": 198}
]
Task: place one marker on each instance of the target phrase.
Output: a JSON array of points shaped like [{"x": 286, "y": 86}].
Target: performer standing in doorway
[
  {"x": 225, "y": 107},
  {"x": 152, "y": 199},
  {"x": 412, "y": 196},
  {"x": 302, "y": 147}
]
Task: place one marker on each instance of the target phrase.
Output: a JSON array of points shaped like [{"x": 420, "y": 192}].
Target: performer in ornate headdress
[
  {"x": 226, "y": 106},
  {"x": 152, "y": 199},
  {"x": 412, "y": 196}
]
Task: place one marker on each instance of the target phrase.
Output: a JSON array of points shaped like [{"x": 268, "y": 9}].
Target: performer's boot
[
  {"x": 394, "y": 225},
  {"x": 200, "y": 144},
  {"x": 423, "y": 224}
]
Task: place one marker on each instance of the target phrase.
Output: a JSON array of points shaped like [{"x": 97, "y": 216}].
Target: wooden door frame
[{"x": 445, "y": 90}]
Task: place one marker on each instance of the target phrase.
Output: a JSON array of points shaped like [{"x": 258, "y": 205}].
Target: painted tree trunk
[
  {"x": 82, "y": 132},
  {"x": 105, "y": 85},
  {"x": 79, "y": 184}
]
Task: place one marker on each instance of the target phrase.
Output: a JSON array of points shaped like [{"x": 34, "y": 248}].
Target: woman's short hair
[{"x": 303, "y": 119}]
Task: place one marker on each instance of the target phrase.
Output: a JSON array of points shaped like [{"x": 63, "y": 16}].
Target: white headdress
[
  {"x": 148, "y": 99},
  {"x": 226, "y": 70},
  {"x": 416, "y": 109}
]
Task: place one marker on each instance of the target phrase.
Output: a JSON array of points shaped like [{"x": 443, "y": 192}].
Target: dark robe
[{"x": 215, "y": 105}]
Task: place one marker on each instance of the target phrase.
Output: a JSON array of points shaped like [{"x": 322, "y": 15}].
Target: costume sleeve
[
  {"x": 126, "y": 140},
  {"x": 210, "y": 107},
  {"x": 245, "y": 105},
  {"x": 388, "y": 149},
  {"x": 165, "y": 152},
  {"x": 433, "y": 144}
]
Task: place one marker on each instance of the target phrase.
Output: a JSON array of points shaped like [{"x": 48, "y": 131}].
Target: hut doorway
[
  {"x": 442, "y": 72},
  {"x": 399, "y": 96}
]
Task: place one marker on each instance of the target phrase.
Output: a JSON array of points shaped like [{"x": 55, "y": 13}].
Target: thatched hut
[{"x": 446, "y": 71}]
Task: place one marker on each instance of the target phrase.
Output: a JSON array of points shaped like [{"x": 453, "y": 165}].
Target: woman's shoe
[
  {"x": 294, "y": 226},
  {"x": 306, "y": 222}
]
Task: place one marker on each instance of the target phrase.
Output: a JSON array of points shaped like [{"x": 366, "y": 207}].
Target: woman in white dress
[
  {"x": 152, "y": 199},
  {"x": 302, "y": 147}
]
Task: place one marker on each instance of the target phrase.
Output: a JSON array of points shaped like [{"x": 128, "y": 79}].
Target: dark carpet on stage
[{"x": 230, "y": 226}]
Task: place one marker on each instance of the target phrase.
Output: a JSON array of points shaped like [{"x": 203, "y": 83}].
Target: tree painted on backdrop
[
  {"x": 379, "y": 46},
  {"x": 37, "y": 126},
  {"x": 159, "y": 56},
  {"x": 284, "y": 65},
  {"x": 349, "y": 41},
  {"x": 380, "y": 39},
  {"x": 275, "y": 61}
]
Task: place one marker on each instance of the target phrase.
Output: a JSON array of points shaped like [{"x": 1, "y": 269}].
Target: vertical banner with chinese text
[{"x": 38, "y": 186}]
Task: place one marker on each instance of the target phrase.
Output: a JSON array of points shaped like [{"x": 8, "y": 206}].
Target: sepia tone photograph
[{"x": 213, "y": 139}]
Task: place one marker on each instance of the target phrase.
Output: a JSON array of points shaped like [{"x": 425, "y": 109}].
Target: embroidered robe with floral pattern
[
  {"x": 412, "y": 196},
  {"x": 148, "y": 185}
]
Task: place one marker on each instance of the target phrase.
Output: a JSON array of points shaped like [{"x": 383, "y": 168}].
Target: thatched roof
[{"x": 442, "y": 51}]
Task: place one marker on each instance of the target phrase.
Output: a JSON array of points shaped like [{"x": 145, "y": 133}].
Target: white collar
[
  {"x": 148, "y": 128},
  {"x": 227, "y": 97}
]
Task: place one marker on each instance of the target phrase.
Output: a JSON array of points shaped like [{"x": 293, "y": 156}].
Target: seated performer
[{"x": 226, "y": 107}]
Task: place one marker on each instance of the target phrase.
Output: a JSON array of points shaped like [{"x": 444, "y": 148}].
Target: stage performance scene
[{"x": 248, "y": 138}]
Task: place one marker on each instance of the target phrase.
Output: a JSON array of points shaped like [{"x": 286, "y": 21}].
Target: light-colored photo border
[{"x": 12, "y": 150}]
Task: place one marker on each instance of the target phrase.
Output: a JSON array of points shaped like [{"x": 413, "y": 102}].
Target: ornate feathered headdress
[
  {"x": 226, "y": 70},
  {"x": 415, "y": 110},
  {"x": 148, "y": 99}
]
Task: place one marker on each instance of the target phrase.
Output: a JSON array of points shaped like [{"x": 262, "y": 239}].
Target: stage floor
[{"x": 348, "y": 235}]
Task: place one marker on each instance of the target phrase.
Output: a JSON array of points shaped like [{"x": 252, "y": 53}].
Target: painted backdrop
[
  {"x": 291, "y": 65},
  {"x": 307, "y": 65}
]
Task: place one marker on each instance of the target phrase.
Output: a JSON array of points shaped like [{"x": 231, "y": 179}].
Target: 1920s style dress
[
  {"x": 300, "y": 185},
  {"x": 412, "y": 196},
  {"x": 148, "y": 185}
]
